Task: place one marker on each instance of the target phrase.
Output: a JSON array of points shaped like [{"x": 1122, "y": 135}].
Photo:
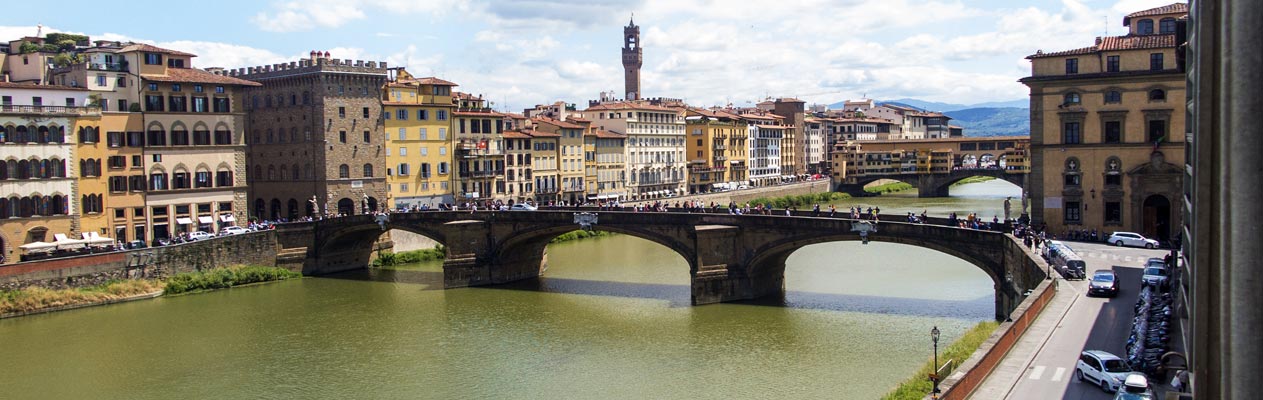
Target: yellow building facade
[
  {"x": 1106, "y": 141},
  {"x": 419, "y": 141},
  {"x": 716, "y": 149}
]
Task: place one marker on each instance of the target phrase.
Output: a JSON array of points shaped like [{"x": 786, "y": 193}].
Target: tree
[{"x": 28, "y": 48}]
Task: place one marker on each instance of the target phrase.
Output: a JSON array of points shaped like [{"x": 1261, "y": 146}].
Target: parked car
[
  {"x": 233, "y": 230},
  {"x": 1069, "y": 264},
  {"x": 199, "y": 235},
  {"x": 135, "y": 244},
  {"x": 1104, "y": 283},
  {"x": 1102, "y": 368},
  {"x": 1121, "y": 239},
  {"x": 1135, "y": 387},
  {"x": 1155, "y": 273},
  {"x": 523, "y": 207}
]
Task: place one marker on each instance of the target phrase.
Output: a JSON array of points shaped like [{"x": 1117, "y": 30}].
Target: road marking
[
  {"x": 1037, "y": 372},
  {"x": 1128, "y": 258},
  {"x": 1058, "y": 374}
]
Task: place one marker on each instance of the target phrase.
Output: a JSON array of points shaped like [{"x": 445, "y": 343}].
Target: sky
[{"x": 518, "y": 53}]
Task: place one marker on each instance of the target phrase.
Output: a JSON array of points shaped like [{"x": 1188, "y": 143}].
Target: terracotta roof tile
[
  {"x": 1116, "y": 43},
  {"x": 17, "y": 85},
  {"x": 1167, "y": 9},
  {"x": 604, "y": 134},
  {"x": 468, "y": 113},
  {"x": 153, "y": 49},
  {"x": 515, "y": 135},
  {"x": 560, "y": 124},
  {"x": 192, "y": 75}
]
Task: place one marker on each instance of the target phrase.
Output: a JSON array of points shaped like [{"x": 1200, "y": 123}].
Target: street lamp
[{"x": 934, "y": 374}]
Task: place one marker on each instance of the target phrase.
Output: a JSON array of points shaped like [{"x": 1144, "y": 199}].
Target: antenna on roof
[{"x": 1107, "y": 25}]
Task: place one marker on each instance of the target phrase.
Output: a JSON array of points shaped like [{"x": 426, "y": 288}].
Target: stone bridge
[
  {"x": 730, "y": 257},
  {"x": 931, "y": 185}
]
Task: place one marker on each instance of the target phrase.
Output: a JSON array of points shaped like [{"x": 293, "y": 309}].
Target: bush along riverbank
[
  {"x": 802, "y": 201},
  {"x": 919, "y": 385},
  {"x": 223, "y": 278},
  {"x": 974, "y": 179},
  {"x": 890, "y": 187},
  {"x": 389, "y": 259},
  {"x": 580, "y": 234},
  {"x": 33, "y": 299}
]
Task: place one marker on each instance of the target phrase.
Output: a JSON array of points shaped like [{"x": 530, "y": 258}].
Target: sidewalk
[{"x": 1013, "y": 367}]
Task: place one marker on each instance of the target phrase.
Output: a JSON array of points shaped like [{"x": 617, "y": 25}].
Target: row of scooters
[{"x": 1150, "y": 331}]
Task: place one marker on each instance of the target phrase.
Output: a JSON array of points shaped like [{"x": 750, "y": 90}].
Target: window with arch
[
  {"x": 295, "y": 173},
  {"x": 1113, "y": 97},
  {"x": 258, "y": 172},
  {"x": 180, "y": 179},
  {"x": 1166, "y": 25},
  {"x": 293, "y": 135},
  {"x": 284, "y": 172},
  {"x": 1113, "y": 171},
  {"x": 1157, "y": 95},
  {"x": 1073, "y": 174},
  {"x": 1144, "y": 27},
  {"x": 344, "y": 171},
  {"x": 1071, "y": 98},
  {"x": 223, "y": 177},
  {"x": 368, "y": 170},
  {"x": 271, "y": 172}
]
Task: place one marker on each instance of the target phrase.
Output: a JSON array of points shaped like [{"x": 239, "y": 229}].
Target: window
[
  {"x": 219, "y": 89},
  {"x": 442, "y": 133},
  {"x": 180, "y": 180},
  {"x": 1113, "y": 132},
  {"x": 368, "y": 170},
  {"x": 1144, "y": 27},
  {"x": 423, "y": 115},
  {"x": 1072, "y": 66},
  {"x": 1157, "y": 131},
  {"x": 117, "y": 162},
  {"x": 197, "y": 88},
  {"x": 1072, "y": 173},
  {"x": 158, "y": 181},
  {"x": 367, "y": 137},
  {"x": 443, "y": 168},
  {"x": 1071, "y": 98},
  {"x": 1113, "y": 97},
  {"x": 178, "y": 103},
  {"x": 341, "y": 112},
  {"x": 401, "y": 115},
  {"x": 175, "y": 87},
  {"x": 201, "y": 138},
  {"x": 403, "y": 133},
  {"x": 118, "y": 184},
  {"x": 342, "y": 136},
  {"x": 223, "y": 178},
  {"x": 1166, "y": 25},
  {"x": 157, "y": 138},
  {"x": 153, "y": 102},
  {"x": 153, "y": 59},
  {"x": 424, "y": 135},
  {"x": 442, "y": 150},
  {"x": 1157, "y": 95},
  {"x": 365, "y": 112},
  {"x": 441, "y": 115},
  {"x": 403, "y": 188},
  {"x": 1155, "y": 62},
  {"x": 425, "y": 170},
  {"x": 344, "y": 171},
  {"x": 404, "y": 169},
  {"x": 1073, "y": 212},
  {"x": 1071, "y": 133},
  {"x": 1113, "y": 213},
  {"x": 202, "y": 179},
  {"x": 153, "y": 87},
  {"x": 157, "y": 158},
  {"x": 1111, "y": 64},
  {"x": 180, "y": 138},
  {"x": 403, "y": 151}
]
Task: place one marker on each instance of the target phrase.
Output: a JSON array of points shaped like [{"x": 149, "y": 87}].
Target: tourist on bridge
[{"x": 815, "y": 211}]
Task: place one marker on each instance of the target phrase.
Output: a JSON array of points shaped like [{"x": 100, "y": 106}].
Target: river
[{"x": 609, "y": 319}]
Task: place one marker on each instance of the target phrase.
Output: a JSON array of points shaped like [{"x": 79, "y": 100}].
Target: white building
[
  {"x": 765, "y": 134},
  {"x": 816, "y": 154},
  {"x": 655, "y": 162}
]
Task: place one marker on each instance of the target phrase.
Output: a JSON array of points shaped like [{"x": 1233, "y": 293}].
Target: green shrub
[
  {"x": 889, "y": 187},
  {"x": 387, "y": 259},
  {"x": 801, "y": 201},
  {"x": 35, "y": 298},
  {"x": 579, "y": 234},
  {"x": 919, "y": 385},
  {"x": 222, "y": 278}
]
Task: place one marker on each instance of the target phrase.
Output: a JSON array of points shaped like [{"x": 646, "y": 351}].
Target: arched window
[
  {"x": 271, "y": 172},
  {"x": 1072, "y": 173},
  {"x": 368, "y": 170},
  {"x": 293, "y": 135},
  {"x": 42, "y": 137},
  {"x": 1113, "y": 171},
  {"x": 1157, "y": 95},
  {"x": 21, "y": 134},
  {"x": 1144, "y": 27},
  {"x": 295, "y": 173},
  {"x": 1166, "y": 25},
  {"x": 1071, "y": 98},
  {"x": 307, "y": 172},
  {"x": 284, "y": 172},
  {"x": 258, "y": 172},
  {"x": 1113, "y": 97},
  {"x": 271, "y": 136},
  {"x": 344, "y": 171},
  {"x": 4, "y": 133}
]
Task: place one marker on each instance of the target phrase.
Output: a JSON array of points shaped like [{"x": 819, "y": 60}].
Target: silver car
[{"x": 1121, "y": 239}]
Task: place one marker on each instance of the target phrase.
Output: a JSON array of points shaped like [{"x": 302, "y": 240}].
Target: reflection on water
[{"x": 610, "y": 319}]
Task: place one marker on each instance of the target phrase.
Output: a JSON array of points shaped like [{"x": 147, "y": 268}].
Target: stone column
[
  {"x": 720, "y": 275},
  {"x": 467, "y": 263}
]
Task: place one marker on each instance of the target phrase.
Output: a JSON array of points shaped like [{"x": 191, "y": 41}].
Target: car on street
[
  {"x": 199, "y": 235},
  {"x": 523, "y": 207},
  {"x": 135, "y": 244},
  {"x": 1104, "y": 283},
  {"x": 1155, "y": 273},
  {"x": 1102, "y": 368},
  {"x": 1135, "y": 387},
  {"x": 1121, "y": 239},
  {"x": 233, "y": 230}
]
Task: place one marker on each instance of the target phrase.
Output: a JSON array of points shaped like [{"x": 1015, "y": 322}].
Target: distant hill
[
  {"x": 993, "y": 121},
  {"x": 999, "y": 118}
]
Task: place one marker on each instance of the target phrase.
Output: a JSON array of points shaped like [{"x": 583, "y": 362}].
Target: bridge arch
[{"x": 529, "y": 246}]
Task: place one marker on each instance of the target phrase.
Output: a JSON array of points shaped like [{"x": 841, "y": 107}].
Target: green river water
[{"x": 609, "y": 319}]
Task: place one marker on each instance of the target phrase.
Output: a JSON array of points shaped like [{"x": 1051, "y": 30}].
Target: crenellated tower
[{"x": 632, "y": 59}]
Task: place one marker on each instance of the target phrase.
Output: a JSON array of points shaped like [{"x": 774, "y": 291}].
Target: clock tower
[{"x": 632, "y": 59}]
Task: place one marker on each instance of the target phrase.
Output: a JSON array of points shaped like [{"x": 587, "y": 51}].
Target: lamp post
[{"x": 934, "y": 374}]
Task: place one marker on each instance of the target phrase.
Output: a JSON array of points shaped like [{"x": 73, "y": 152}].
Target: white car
[
  {"x": 1121, "y": 239},
  {"x": 233, "y": 230},
  {"x": 1104, "y": 369},
  {"x": 523, "y": 207},
  {"x": 199, "y": 235}
]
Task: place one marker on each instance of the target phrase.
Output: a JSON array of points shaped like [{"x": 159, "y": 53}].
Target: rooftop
[
  {"x": 16, "y": 85},
  {"x": 1115, "y": 43},
  {"x": 1172, "y": 8},
  {"x": 192, "y": 75}
]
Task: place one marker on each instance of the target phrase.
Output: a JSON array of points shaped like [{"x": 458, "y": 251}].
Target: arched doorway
[
  {"x": 1157, "y": 217},
  {"x": 372, "y": 204},
  {"x": 292, "y": 207},
  {"x": 276, "y": 210},
  {"x": 346, "y": 207},
  {"x": 260, "y": 208}
]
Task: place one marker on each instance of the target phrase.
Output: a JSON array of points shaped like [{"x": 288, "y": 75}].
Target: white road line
[
  {"x": 1037, "y": 372},
  {"x": 1058, "y": 374},
  {"x": 1128, "y": 258}
]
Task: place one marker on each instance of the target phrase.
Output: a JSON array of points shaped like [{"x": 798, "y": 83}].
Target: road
[{"x": 1093, "y": 323}]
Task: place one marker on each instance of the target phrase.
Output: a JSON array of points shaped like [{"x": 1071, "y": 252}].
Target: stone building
[
  {"x": 316, "y": 140},
  {"x": 656, "y": 166},
  {"x": 1105, "y": 121},
  {"x": 633, "y": 58},
  {"x": 794, "y": 142},
  {"x": 766, "y": 133},
  {"x": 479, "y": 150},
  {"x": 570, "y": 157},
  {"x": 716, "y": 148}
]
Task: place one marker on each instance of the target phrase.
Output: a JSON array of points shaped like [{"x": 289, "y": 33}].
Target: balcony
[
  {"x": 118, "y": 66},
  {"x": 50, "y": 110},
  {"x": 546, "y": 190},
  {"x": 482, "y": 174}
]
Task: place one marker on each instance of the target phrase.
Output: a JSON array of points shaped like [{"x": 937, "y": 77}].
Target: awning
[
  {"x": 183, "y": 220},
  {"x": 68, "y": 243},
  {"x": 205, "y": 219},
  {"x": 37, "y": 246},
  {"x": 227, "y": 218}
]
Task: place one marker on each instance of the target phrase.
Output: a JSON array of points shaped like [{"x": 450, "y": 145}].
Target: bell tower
[{"x": 632, "y": 59}]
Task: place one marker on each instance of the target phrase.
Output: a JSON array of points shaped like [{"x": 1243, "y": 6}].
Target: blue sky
[{"x": 525, "y": 52}]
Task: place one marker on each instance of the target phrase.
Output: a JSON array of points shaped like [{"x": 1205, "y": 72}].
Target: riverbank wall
[{"x": 255, "y": 248}]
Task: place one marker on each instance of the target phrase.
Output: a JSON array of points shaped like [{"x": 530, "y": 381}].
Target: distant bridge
[
  {"x": 730, "y": 257},
  {"x": 931, "y": 184}
]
